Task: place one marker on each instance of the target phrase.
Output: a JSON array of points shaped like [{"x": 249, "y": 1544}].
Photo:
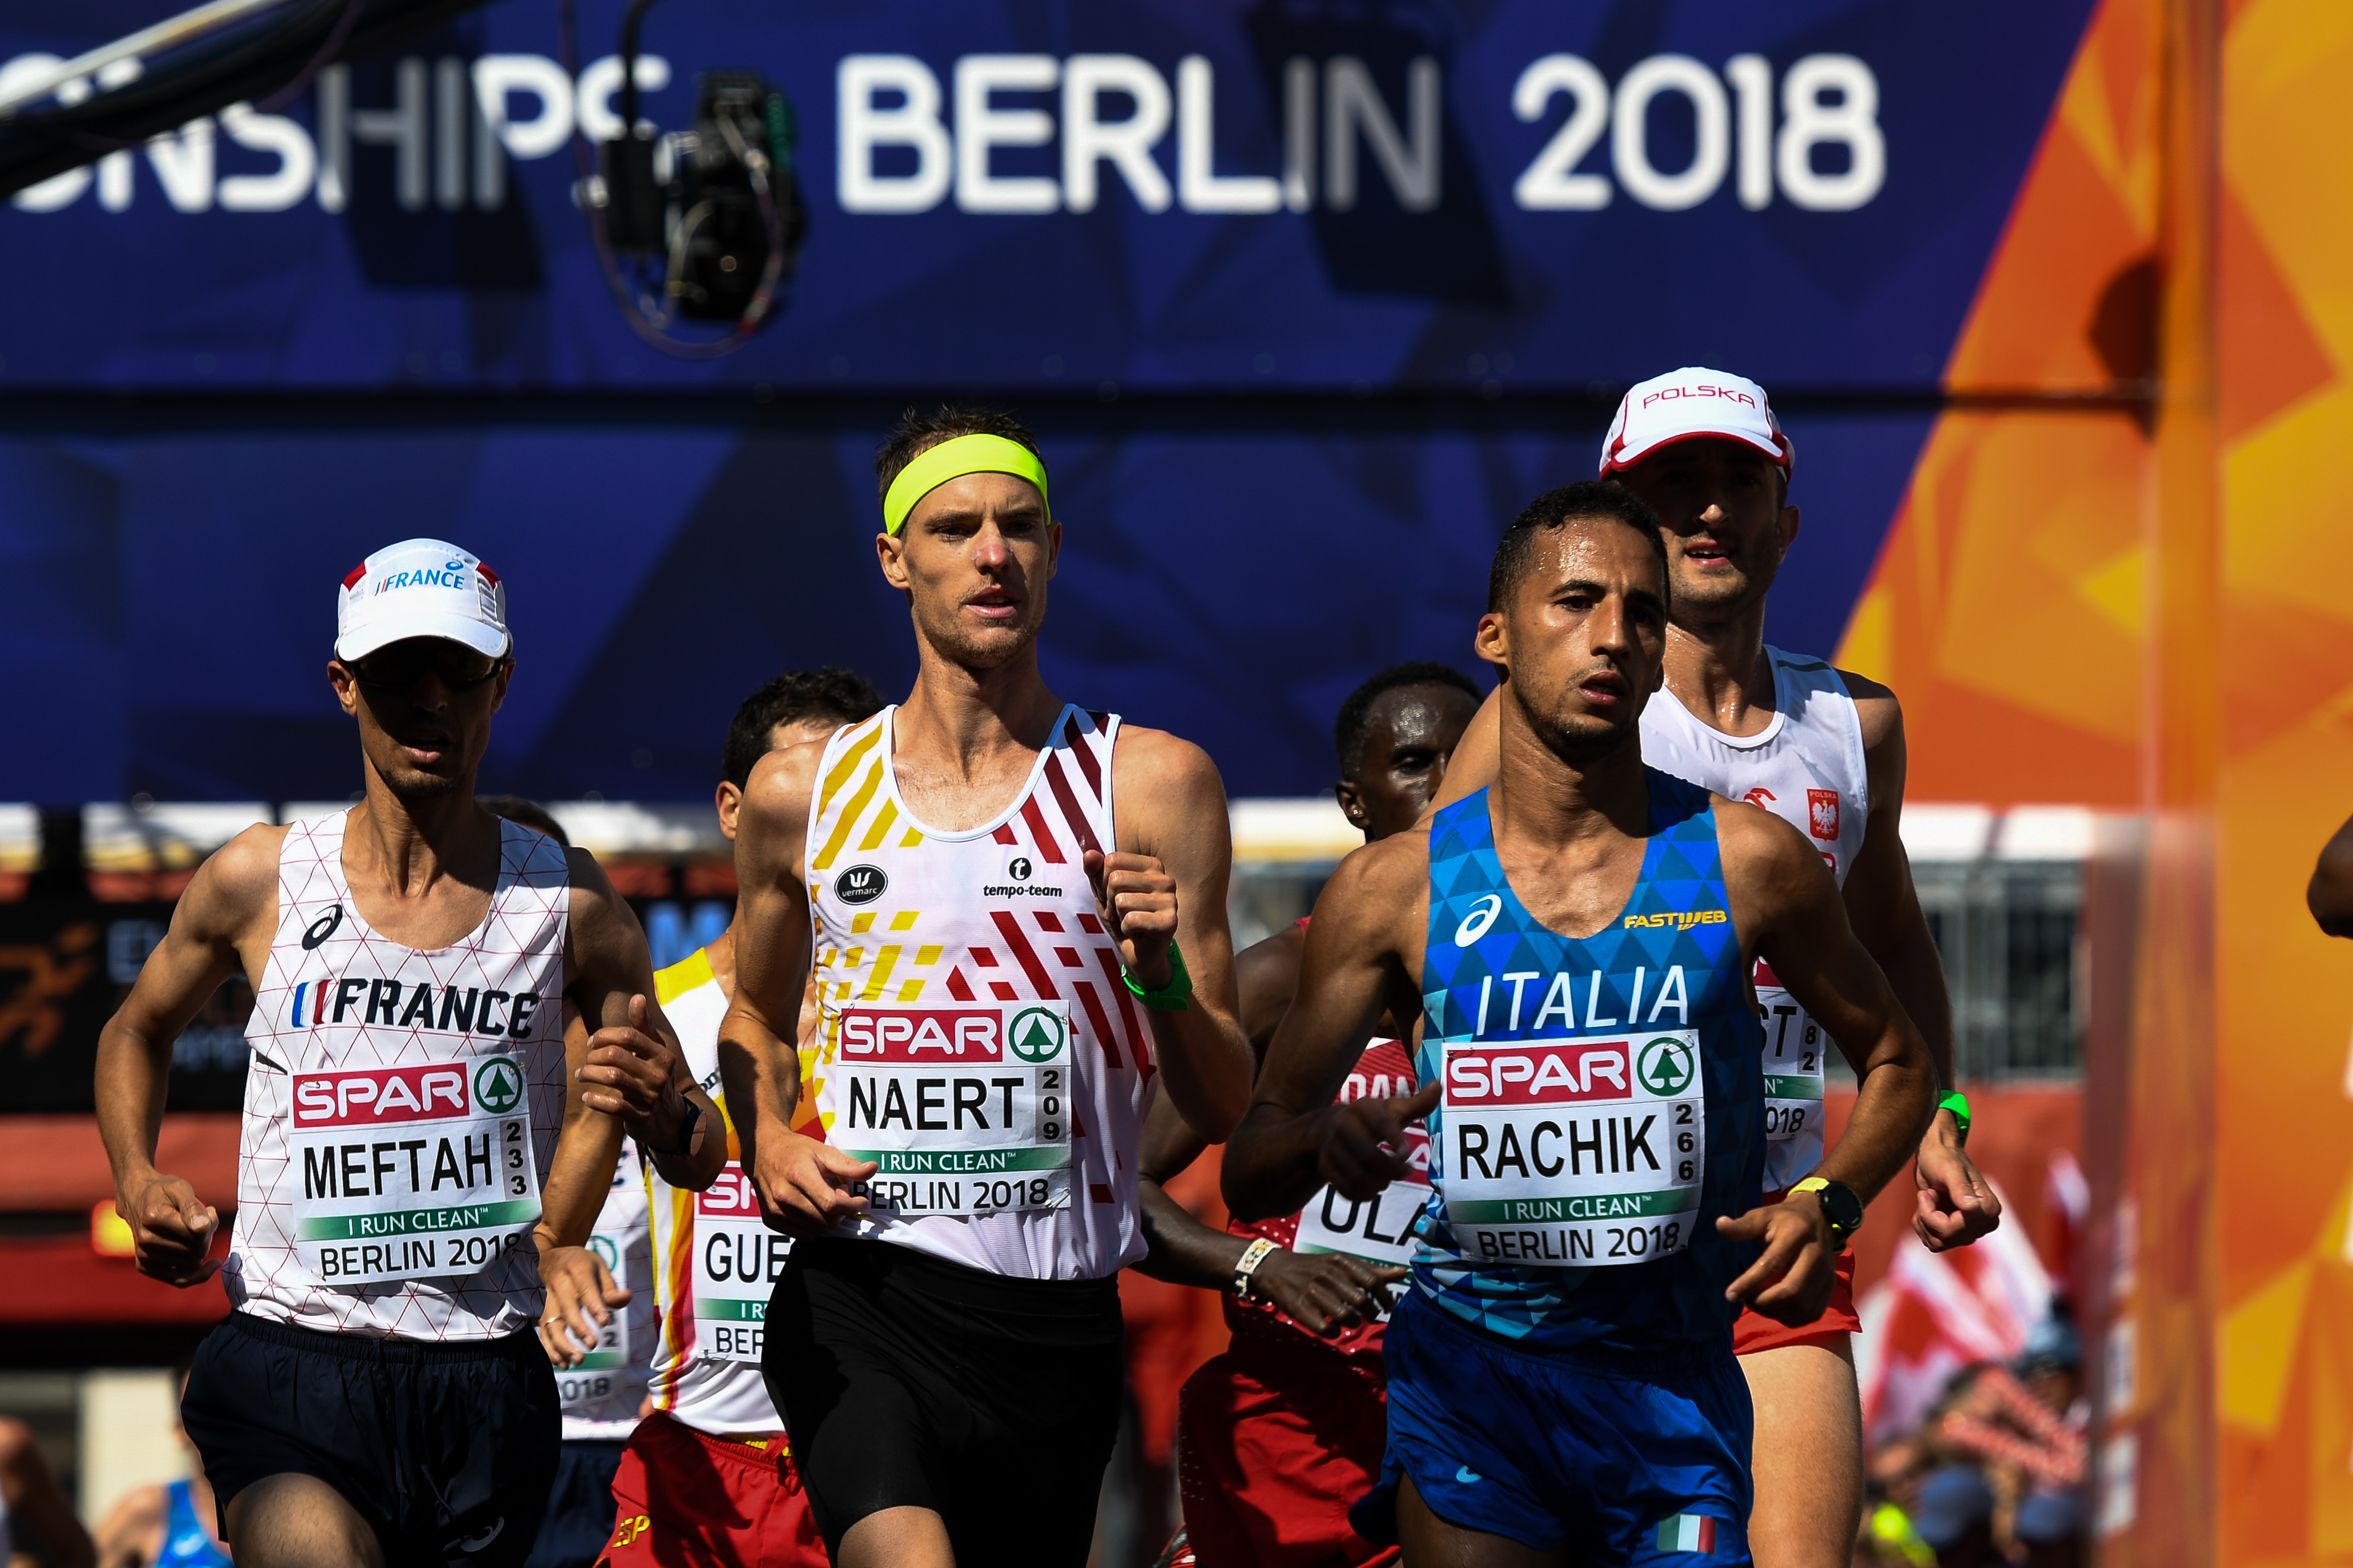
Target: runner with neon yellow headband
[{"x": 1015, "y": 910}]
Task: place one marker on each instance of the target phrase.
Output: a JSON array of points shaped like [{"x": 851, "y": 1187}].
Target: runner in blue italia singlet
[
  {"x": 1652, "y": 1151},
  {"x": 1562, "y": 1387}
]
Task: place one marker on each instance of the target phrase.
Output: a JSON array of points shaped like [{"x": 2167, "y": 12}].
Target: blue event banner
[{"x": 1178, "y": 195}]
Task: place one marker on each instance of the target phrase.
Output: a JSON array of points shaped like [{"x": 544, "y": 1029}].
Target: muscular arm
[
  {"x": 1788, "y": 910},
  {"x": 1170, "y": 807},
  {"x": 623, "y": 1073},
  {"x": 1956, "y": 1205},
  {"x": 802, "y": 1183},
  {"x": 628, "y": 1076},
  {"x": 222, "y": 923},
  {"x": 1184, "y": 1251},
  {"x": 2329, "y": 894},
  {"x": 1362, "y": 948}
]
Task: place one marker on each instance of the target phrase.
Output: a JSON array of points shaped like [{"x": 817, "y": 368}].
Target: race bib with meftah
[{"x": 409, "y": 1172}]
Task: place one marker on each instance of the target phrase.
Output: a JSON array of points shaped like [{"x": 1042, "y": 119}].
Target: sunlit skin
[
  {"x": 1410, "y": 734},
  {"x": 1582, "y": 646},
  {"x": 973, "y": 559},
  {"x": 422, "y": 861}
]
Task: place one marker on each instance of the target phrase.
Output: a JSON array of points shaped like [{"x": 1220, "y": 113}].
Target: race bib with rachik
[
  {"x": 1575, "y": 1153},
  {"x": 965, "y": 1109},
  {"x": 411, "y": 1173}
]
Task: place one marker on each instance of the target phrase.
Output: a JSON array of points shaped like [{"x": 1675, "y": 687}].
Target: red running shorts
[
  {"x": 1751, "y": 1333},
  {"x": 1272, "y": 1449},
  {"x": 686, "y": 1499}
]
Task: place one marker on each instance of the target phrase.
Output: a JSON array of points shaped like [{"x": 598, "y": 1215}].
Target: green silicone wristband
[
  {"x": 1959, "y": 1104},
  {"x": 1171, "y": 997}
]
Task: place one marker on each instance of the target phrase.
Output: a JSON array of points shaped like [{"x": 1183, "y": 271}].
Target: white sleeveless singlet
[
  {"x": 1805, "y": 767},
  {"x": 600, "y": 1397},
  {"x": 717, "y": 1263},
  {"x": 402, "y": 1106},
  {"x": 975, "y": 1036}
]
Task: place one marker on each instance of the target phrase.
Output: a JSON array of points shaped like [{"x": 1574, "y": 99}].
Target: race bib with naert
[
  {"x": 737, "y": 1262},
  {"x": 411, "y": 1173},
  {"x": 1574, "y": 1152},
  {"x": 966, "y": 1108}
]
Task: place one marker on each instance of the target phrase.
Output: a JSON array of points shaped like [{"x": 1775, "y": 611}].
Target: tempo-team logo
[
  {"x": 861, "y": 885},
  {"x": 918, "y": 1034}
]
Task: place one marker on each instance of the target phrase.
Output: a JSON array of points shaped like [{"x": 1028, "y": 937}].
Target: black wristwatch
[
  {"x": 1840, "y": 1208},
  {"x": 686, "y": 1132}
]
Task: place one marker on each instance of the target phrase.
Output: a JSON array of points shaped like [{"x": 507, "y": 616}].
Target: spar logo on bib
[
  {"x": 498, "y": 1084},
  {"x": 1038, "y": 1035},
  {"x": 915, "y": 1036},
  {"x": 1664, "y": 1067}
]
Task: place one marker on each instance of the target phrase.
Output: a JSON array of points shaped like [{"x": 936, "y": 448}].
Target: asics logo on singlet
[
  {"x": 1474, "y": 924},
  {"x": 322, "y": 928},
  {"x": 861, "y": 885}
]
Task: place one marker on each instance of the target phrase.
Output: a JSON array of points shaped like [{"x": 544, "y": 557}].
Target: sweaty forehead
[{"x": 1422, "y": 715}]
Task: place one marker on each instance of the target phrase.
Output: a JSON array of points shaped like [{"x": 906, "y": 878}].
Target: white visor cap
[
  {"x": 421, "y": 588},
  {"x": 1689, "y": 402}
]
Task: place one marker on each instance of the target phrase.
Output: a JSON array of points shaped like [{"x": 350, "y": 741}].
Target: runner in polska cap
[
  {"x": 1688, "y": 403},
  {"x": 421, "y": 588}
]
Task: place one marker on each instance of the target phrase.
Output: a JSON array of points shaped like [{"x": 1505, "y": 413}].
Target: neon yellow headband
[{"x": 952, "y": 459}]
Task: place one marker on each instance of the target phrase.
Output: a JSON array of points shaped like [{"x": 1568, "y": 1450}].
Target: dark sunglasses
[{"x": 461, "y": 668}]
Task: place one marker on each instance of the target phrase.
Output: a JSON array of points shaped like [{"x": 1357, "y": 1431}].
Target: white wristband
[{"x": 1247, "y": 1265}]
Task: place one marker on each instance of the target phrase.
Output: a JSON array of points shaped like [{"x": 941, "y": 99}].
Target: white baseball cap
[
  {"x": 1688, "y": 403},
  {"x": 421, "y": 588}
]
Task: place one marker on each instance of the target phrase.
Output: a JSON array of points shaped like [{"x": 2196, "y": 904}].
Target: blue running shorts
[{"x": 1623, "y": 1459}]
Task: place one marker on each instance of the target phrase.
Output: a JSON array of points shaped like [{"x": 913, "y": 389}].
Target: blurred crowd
[{"x": 1994, "y": 1473}]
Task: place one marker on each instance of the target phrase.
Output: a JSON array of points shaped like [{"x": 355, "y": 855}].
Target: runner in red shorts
[
  {"x": 1279, "y": 1435},
  {"x": 1823, "y": 749},
  {"x": 707, "y": 1480}
]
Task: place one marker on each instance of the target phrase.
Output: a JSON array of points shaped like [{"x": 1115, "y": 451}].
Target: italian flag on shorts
[{"x": 1687, "y": 1532}]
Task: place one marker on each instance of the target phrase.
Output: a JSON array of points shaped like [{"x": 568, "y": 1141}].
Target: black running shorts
[
  {"x": 908, "y": 1381},
  {"x": 447, "y": 1451}
]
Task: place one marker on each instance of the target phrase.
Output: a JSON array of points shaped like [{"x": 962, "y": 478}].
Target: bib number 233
[{"x": 412, "y": 1172}]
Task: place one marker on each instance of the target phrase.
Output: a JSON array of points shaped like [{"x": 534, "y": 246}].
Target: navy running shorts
[
  {"x": 1622, "y": 1460},
  {"x": 447, "y": 1451}
]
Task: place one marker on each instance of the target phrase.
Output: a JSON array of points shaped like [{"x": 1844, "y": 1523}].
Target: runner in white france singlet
[
  {"x": 402, "y": 1106},
  {"x": 601, "y": 1396},
  {"x": 1805, "y": 767},
  {"x": 717, "y": 1263},
  {"x": 975, "y": 1036}
]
